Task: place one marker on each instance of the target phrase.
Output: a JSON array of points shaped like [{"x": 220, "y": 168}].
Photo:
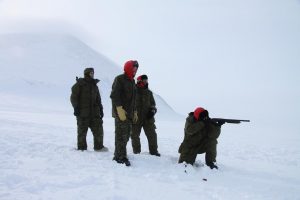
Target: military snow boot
[
  {"x": 126, "y": 162},
  {"x": 212, "y": 165},
  {"x": 136, "y": 152},
  {"x": 103, "y": 149},
  {"x": 155, "y": 154},
  {"x": 122, "y": 161}
]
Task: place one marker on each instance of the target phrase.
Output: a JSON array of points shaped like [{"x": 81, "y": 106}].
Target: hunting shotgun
[{"x": 232, "y": 121}]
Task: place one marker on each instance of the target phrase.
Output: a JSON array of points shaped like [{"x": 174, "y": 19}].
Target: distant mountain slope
[
  {"x": 51, "y": 60},
  {"x": 44, "y": 67}
]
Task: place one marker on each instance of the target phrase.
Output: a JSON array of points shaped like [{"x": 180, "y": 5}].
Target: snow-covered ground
[
  {"x": 39, "y": 161},
  {"x": 244, "y": 51}
]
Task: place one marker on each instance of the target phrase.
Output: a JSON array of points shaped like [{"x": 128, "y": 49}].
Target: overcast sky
[{"x": 232, "y": 57}]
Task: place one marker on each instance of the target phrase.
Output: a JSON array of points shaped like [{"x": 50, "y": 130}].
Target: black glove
[
  {"x": 204, "y": 116},
  {"x": 220, "y": 123},
  {"x": 101, "y": 113},
  {"x": 151, "y": 113},
  {"x": 76, "y": 112}
]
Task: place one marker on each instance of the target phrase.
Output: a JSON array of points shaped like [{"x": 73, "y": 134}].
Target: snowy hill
[{"x": 44, "y": 66}]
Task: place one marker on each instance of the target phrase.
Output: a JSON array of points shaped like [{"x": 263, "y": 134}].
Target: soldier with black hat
[{"x": 88, "y": 109}]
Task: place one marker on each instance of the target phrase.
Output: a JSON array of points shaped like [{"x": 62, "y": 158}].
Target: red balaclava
[
  {"x": 130, "y": 68},
  {"x": 197, "y": 112},
  {"x": 140, "y": 82}
]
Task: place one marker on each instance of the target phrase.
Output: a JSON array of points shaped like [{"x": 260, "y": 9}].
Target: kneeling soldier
[{"x": 200, "y": 136}]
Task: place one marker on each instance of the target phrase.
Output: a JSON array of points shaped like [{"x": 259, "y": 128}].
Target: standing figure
[
  {"x": 88, "y": 109},
  {"x": 123, "y": 96},
  {"x": 146, "y": 108},
  {"x": 200, "y": 136}
]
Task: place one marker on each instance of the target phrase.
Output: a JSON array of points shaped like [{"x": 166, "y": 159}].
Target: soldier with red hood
[
  {"x": 123, "y": 96},
  {"x": 200, "y": 136},
  {"x": 146, "y": 108}
]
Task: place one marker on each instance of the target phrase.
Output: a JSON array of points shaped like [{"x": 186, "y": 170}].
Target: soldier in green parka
[
  {"x": 146, "y": 108},
  {"x": 88, "y": 109},
  {"x": 200, "y": 136},
  {"x": 123, "y": 97}
]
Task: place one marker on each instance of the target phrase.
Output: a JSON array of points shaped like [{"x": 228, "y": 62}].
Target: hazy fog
[{"x": 236, "y": 58}]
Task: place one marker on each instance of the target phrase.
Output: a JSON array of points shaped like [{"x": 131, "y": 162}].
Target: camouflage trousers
[
  {"x": 208, "y": 146},
  {"x": 149, "y": 129},
  {"x": 95, "y": 124},
  {"x": 122, "y": 134}
]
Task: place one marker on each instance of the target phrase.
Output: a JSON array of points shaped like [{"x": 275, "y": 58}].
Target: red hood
[
  {"x": 197, "y": 112},
  {"x": 129, "y": 69}
]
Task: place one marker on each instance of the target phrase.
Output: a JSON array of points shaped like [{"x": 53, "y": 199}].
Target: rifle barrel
[{"x": 235, "y": 121}]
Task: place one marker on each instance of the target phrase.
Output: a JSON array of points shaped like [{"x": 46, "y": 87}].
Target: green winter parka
[
  {"x": 144, "y": 102},
  {"x": 198, "y": 132},
  {"x": 123, "y": 94},
  {"x": 86, "y": 98}
]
